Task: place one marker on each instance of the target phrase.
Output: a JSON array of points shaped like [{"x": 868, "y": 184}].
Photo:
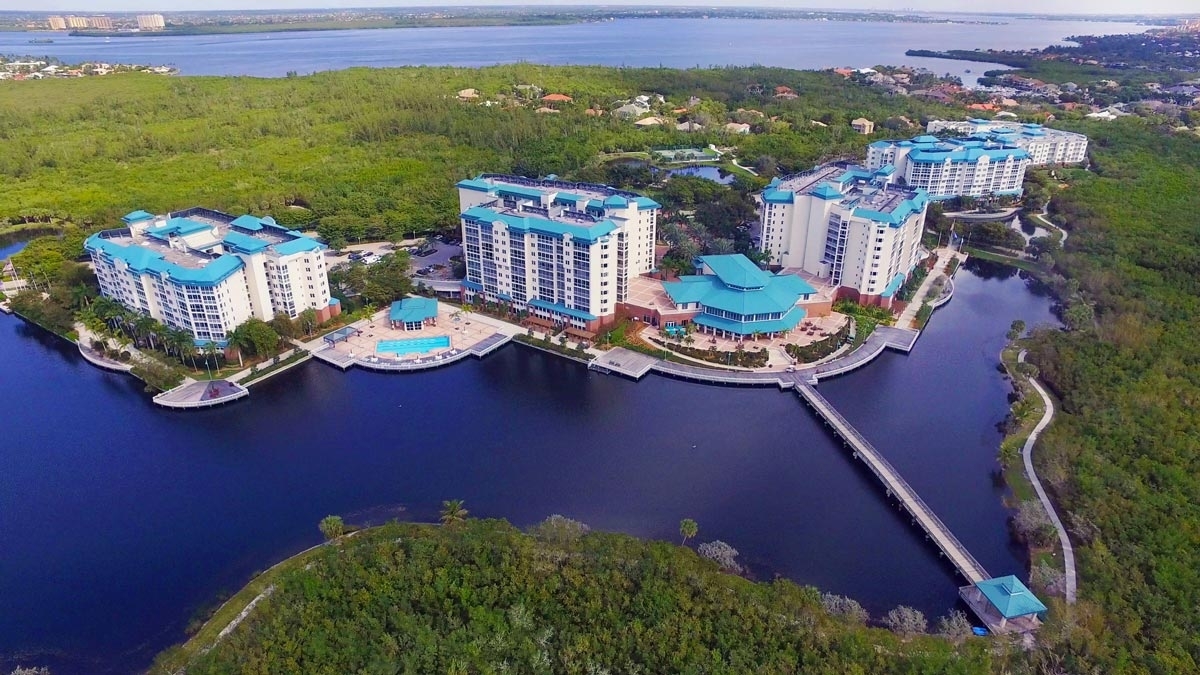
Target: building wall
[
  {"x": 824, "y": 238},
  {"x": 590, "y": 276}
]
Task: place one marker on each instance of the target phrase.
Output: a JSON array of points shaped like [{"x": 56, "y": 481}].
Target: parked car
[
  {"x": 356, "y": 256},
  {"x": 426, "y": 251}
]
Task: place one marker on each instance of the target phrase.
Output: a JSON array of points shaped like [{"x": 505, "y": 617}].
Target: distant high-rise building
[
  {"x": 57, "y": 23},
  {"x": 100, "y": 23},
  {"x": 77, "y": 22},
  {"x": 150, "y": 22}
]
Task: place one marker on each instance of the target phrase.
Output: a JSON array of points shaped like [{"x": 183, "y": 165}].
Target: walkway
[
  {"x": 201, "y": 394},
  {"x": 908, "y": 318},
  {"x": 1027, "y": 455},
  {"x": 897, "y": 487},
  {"x": 636, "y": 364},
  {"x": 1046, "y": 221}
]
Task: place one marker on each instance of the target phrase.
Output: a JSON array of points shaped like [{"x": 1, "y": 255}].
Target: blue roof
[
  {"x": 965, "y": 152},
  {"x": 778, "y": 293},
  {"x": 616, "y": 201},
  {"x": 569, "y": 198},
  {"x": 886, "y": 170},
  {"x": 826, "y": 190},
  {"x": 1010, "y": 597},
  {"x": 899, "y": 212},
  {"x": 644, "y": 203},
  {"x": 587, "y": 232},
  {"x": 854, "y": 174},
  {"x": 893, "y": 285},
  {"x": 248, "y": 222},
  {"x": 244, "y": 243},
  {"x": 178, "y": 226},
  {"x": 881, "y": 144},
  {"x": 298, "y": 245},
  {"x": 476, "y": 184},
  {"x": 520, "y": 192},
  {"x": 137, "y": 217},
  {"x": 788, "y": 322},
  {"x": 736, "y": 270},
  {"x": 773, "y": 196},
  {"x": 472, "y": 285},
  {"x": 412, "y": 310},
  {"x": 561, "y": 309},
  {"x": 147, "y": 261}
]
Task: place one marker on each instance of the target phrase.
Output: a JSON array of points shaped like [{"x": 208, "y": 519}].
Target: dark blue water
[
  {"x": 119, "y": 520},
  {"x": 712, "y": 173},
  {"x": 678, "y": 43}
]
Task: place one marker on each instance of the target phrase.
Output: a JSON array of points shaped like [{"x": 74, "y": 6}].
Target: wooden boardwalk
[
  {"x": 201, "y": 394},
  {"x": 897, "y": 487}
]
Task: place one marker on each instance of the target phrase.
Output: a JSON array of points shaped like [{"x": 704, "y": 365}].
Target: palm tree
[
  {"x": 240, "y": 339},
  {"x": 332, "y": 527},
  {"x": 453, "y": 512},
  {"x": 687, "y": 529},
  {"x": 144, "y": 325}
]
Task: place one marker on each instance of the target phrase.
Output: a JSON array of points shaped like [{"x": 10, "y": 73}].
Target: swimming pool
[{"x": 413, "y": 345}]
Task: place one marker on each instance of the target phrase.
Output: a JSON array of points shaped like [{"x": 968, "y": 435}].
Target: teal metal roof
[
  {"x": 137, "y": 217},
  {"x": 788, "y": 322},
  {"x": 561, "y": 309},
  {"x": 881, "y": 144},
  {"x": 178, "y": 226},
  {"x": 587, "y": 232},
  {"x": 826, "y": 190},
  {"x": 893, "y": 285},
  {"x": 298, "y": 245},
  {"x": 412, "y": 310},
  {"x": 248, "y": 222},
  {"x": 1010, "y": 597},
  {"x": 569, "y": 198},
  {"x": 779, "y": 294},
  {"x": 736, "y": 270},
  {"x": 644, "y": 203},
  {"x": 965, "y": 153},
  {"x": 520, "y": 192},
  {"x": 244, "y": 243},
  {"x": 899, "y": 213},
  {"x": 773, "y": 196},
  {"x": 616, "y": 201},
  {"x": 147, "y": 261},
  {"x": 854, "y": 174},
  {"x": 476, "y": 184}
]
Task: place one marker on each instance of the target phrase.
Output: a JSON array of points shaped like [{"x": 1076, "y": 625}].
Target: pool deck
[{"x": 469, "y": 335}]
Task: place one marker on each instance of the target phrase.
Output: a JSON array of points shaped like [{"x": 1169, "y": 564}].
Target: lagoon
[
  {"x": 121, "y": 520},
  {"x": 673, "y": 43}
]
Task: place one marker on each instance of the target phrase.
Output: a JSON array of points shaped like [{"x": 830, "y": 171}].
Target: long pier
[{"x": 897, "y": 487}]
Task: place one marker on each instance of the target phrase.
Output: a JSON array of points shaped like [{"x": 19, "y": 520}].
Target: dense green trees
[
  {"x": 1124, "y": 453},
  {"x": 484, "y": 598},
  {"x": 368, "y": 153}
]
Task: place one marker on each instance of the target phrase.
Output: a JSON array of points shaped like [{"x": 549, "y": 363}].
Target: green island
[
  {"x": 480, "y": 596},
  {"x": 365, "y": 155}
]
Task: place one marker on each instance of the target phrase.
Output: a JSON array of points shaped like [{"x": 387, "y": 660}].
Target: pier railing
[{"x": 958, "y": 554}]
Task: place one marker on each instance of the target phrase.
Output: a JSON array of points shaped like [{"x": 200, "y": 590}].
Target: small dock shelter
[
  {"x": 413, "y": 313},
  {"x": 1005, "y": 604}
]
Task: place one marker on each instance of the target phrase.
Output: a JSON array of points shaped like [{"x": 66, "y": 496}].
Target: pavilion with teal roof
[
  {"x": 737, "y": 299},
  {"x": 413, "y": 313},
  {"x": 1005, "y": 604}
]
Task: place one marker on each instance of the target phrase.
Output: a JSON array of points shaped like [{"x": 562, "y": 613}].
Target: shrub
[
  {"x": 559, "y": 530},
  {"x": 843, "y": 607},
  {"x": 721, "y": 553},
  {"x": 906, "y": 621}
]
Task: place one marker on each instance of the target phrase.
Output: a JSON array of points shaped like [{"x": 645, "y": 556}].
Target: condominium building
[
  {"x": 561, "y": 251},
  {"x": 1044, "y": 145},
  {"x": 207, "y": 272},
  {"x": 56, "y": 23},
  {"x": 77, "y": 22},
  {"x": 150, "y": 22},
  {"x": 100, "y": 23},
  {"x": 850, "y": 227},
  {"x": 952, "y": 167}
]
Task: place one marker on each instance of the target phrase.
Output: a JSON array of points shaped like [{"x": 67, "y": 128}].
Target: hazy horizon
[{"x": 1043, "y": 7}]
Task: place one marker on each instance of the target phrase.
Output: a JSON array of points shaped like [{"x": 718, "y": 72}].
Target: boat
[{"x": 41, "y": 41}]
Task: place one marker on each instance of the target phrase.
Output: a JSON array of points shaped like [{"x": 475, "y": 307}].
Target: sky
[{"x": 1038, "y": 6}]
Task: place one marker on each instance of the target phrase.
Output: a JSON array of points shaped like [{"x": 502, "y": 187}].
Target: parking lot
[{"x": 440, "y": 256}]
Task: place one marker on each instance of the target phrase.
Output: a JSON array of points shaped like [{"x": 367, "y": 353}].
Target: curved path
[
  {"x": 1027, "y": 455},
  {"x": 1046, "y": 221}
]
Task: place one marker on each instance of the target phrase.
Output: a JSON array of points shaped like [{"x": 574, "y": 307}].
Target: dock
[
  {"x": 897, "y": 487},
  {"x": 201, "y": 394},
  {"x": 344, "y": 361}
]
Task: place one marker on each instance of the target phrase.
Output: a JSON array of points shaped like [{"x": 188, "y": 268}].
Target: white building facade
[
  {"x": 849, "y": 227},
  {"x": 206, "y": 272},
  {"x": 1044, "y": 145},
  {"x": 952, "y": 168},
  {"x": 561, "y": 251}
]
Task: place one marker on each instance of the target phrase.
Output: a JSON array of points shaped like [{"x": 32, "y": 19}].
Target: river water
[
  {"x": 120, "y": 520},
  {"x": 675, "y": 43}
]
